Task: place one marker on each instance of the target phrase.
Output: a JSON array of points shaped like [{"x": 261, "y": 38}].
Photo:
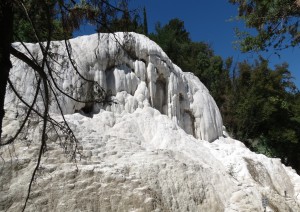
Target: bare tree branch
[{"x": 27, "y": 116}]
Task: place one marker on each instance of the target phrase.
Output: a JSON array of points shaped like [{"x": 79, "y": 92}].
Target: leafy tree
[
  {"x": 36, "y": 13},
  {"x": 173, "y": 39},
  {"x": 127, "y": 23},
  {"x": 262, "y": 98},
  {"x": 276, "y": 23},
  {"x": 112, "y": 21},
  {"x": 264, "y": 111},
  {"x": 266, "y": 101}
]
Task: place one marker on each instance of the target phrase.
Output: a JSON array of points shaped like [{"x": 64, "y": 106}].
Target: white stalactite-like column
[{"x": 140, "y": 76}]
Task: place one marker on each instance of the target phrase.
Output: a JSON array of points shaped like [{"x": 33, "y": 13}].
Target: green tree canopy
[
  {"x": 116, "y": 21},
  {"x": 264, "y": 112},
  {"x": 173, "y": 39},
  {"x": 35, "y": 14},
  {"x": 276, "y": 23}
]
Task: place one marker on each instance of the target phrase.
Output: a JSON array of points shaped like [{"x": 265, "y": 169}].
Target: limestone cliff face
[
  {"x": 141, "y": 154},
  {"x": 135, "y": 71}
]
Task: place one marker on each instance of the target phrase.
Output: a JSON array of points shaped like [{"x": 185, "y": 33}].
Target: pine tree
[{"x": 145, "y": 26}]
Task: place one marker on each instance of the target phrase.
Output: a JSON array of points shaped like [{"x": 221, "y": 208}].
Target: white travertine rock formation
[
  {"x": 142, "y": 161},
  {"x": 139, "y": 154},
  {"x": 135, "y": 71}
]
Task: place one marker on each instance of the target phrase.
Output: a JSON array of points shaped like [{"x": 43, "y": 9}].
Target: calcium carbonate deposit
[{"x": 159, "y": 147}]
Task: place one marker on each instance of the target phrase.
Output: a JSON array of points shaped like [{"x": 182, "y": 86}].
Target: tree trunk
[{"x": 6, "y": 35}]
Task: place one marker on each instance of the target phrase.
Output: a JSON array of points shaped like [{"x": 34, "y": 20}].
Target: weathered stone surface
[
  {"x": 142, "y": 154},
  {"x": 134, "y": 70}
]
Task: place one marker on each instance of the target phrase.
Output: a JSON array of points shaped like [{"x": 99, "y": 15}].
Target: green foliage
[
  {"x": 122, "y": 20},
  {"x": 60, "y": 18},
  {"x": 264, "y": 111},
  {"x": 276, "y": 23},
  {"x": 174, "y": 40},
  {"x": 43, "y": 17}
]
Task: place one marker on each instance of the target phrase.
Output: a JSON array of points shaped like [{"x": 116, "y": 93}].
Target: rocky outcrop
[
  {"x": 134, "y": 70},
  {"x": 142, "y": 161},
  {"x": 142, "y": 154}
]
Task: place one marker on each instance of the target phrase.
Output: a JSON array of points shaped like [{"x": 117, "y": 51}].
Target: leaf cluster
[
  {"x": 35, "y": 14},
  {"x": 62, "y": 18},
  {"x": 276, "y": 24},
  {"x": 263, "y": 110}
]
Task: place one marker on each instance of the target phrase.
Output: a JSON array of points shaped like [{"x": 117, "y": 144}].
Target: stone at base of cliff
[{"x": 142, "y": 161}]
